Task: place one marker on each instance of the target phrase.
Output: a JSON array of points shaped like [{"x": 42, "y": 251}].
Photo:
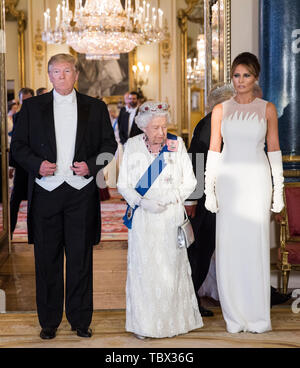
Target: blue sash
[{"x": 149, "y": 177}]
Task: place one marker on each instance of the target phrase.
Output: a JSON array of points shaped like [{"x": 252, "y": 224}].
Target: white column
[{"x": 244, "y": 27}]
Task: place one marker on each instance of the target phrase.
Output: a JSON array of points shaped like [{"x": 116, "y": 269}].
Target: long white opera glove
[
  {"x": 151, "y": 205},
  {"x": 275, "y": 159},
  {"x": 212, "y": 164}
]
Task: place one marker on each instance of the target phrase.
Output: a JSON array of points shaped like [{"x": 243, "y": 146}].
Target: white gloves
[
  {"x": 171, "y": 197},
  {"x": 151, "y": 205},
  {"x": 212, "y": 163},
  {"x": 275, "y": 159}
]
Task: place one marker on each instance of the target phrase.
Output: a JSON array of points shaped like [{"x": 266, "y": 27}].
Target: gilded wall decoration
[
  {"x": 166, "y": 47},
  {"x": 39, "y": 47},
  {"x": 4, "y": 222}
]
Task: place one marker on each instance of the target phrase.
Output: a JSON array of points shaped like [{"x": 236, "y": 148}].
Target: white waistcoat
[{"x": 65, "y": 120}]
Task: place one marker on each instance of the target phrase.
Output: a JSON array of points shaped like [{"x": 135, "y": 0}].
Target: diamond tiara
[{"x": 154, "y": 107}]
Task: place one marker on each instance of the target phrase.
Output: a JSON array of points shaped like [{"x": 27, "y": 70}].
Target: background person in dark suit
[
  {"x": 58, "y": 140},
  {"x": 20, "y": 183},
  {"x": 126, "y": 119}
]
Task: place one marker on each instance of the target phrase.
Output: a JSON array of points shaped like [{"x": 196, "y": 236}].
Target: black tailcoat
[
  {"x": 204, "y": 222},
  {"x": 34, "y": 141},
  {"x": 123, "y": 121}
]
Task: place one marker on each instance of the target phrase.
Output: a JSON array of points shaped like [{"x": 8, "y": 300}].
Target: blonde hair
[
  {"x": 113, "y": 110},
  {"x": 66, "y": 58},
  {"x": 218, "y": 94}
]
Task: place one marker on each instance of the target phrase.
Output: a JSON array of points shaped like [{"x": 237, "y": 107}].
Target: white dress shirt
[
  {"x": 65, "y": 120},
  {"x": 132, "y": 113}
]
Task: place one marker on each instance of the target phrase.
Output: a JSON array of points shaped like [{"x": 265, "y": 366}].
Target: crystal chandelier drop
[
  {"x": 196, "y": 67},
  {"x": 102, "y": 29}
]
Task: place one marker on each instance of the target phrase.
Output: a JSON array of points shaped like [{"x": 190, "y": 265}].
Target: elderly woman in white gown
[{"x": 156, "y": 176}]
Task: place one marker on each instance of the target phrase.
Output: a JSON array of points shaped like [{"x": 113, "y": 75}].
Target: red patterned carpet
[{"x": 112, "y": 211}]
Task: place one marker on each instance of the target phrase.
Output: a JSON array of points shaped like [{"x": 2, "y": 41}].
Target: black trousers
[
  {"x": 63, "y": 222},
  {"x": 18, "y": 194},
  {"x": 200, "y": 253}
]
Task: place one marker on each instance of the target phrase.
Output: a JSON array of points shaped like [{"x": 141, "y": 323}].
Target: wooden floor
[
  {"x": 22, "y": 330},
  {"x": 19, "y": 327},
  {"x": 17, "y": 277}
]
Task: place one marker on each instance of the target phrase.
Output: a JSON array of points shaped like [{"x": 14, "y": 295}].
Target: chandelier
[
  {"x": 196, "y": 67},
  {"x": 102, "y": 29}
]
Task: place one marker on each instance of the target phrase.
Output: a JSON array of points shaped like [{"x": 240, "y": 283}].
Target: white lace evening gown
[
  {"x": 244, "y": 191},
  {"x": 160, "y": 297}
]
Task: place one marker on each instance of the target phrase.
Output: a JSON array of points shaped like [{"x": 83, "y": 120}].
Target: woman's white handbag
[{"x": 185, "y": 233}]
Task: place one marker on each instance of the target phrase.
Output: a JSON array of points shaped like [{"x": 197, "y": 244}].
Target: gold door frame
[
  {"x": 182, "y": 17},
  {"x": 4, "y": 234},
  {"x": 18, "y": 15}
]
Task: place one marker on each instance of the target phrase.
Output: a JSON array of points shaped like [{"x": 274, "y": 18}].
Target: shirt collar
[
  {"x": 131, "y": 109},
  {"x": 68, "y": 99}
]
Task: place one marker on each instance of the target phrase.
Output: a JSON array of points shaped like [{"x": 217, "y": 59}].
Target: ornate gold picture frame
[
  {"x": 218, "y": 42},
  {"x": 220, "y": 33},
  {"x": 99, "y": 78},
  {"x": 12, "y": 14}
]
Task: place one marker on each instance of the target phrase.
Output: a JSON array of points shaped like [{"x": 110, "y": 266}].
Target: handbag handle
[{"x": 185, "y": 214}]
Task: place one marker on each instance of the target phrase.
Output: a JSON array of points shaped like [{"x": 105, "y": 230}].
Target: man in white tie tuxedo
[
  {"x": 126, "y": 119},
  {"x": 58, "y": 140}
]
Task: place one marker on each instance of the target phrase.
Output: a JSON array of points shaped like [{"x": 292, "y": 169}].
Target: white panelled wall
[{"x": 244, "y": 27}]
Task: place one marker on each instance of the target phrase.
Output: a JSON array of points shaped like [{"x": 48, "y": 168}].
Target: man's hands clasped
[
  {"x": 48, "y": 169},
  {"x": 80, "y": 168}
]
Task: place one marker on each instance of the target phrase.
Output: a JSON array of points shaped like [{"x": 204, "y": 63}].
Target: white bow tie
[{"x": 59, "y": 99}]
